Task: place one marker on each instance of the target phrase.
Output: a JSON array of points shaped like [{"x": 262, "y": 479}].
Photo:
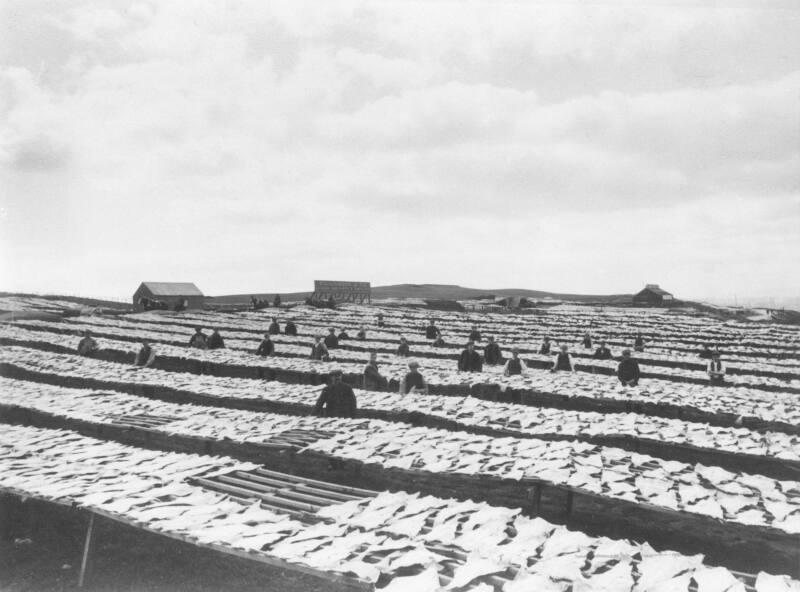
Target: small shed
[
  {"x": 653, "y": 295},
  {"x": 167, "y": 296}
]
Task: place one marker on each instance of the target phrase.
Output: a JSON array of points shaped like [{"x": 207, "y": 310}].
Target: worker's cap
[
  {"x": 626, "y": 352},
  {"x": 413, "y": 364}
]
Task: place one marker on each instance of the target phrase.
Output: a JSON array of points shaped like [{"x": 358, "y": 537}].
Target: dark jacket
[
  {"x": 492, "y": 354},
  {"x": 403, "y": 349},
  {"x": 336, "y": 400},
  {"x": 198, "y": 340},
  {"x": 274, "y": 328},
  {"x": 319, "y": 351},
  {"x": 361, "y": 335},
  {"x": 514, "y": 367},
  {"x": 343, "y": 335},
  {"x": 439, "y": 342},
  {"x": 331, "y": 341},
  {"x": 87, "y": 346},
  {"x": 470, "y": 361},
  {"x": 290, "y": 328},
  {"x": 628, "y": 370},
  {"x": 587, "y": 342},
  {"x": 413, "y": 379},
  {"x": 545, "y": 349},
  {"x": 215, "y": 341},
  {"x": 474, "y": 336},
  {"x": 373, "y": 378},
  {"x": 266, "y": 348},
  {"x": 602, "y": 353},
  {"x": 432, "y": 332},
  {"x": 563, "y": 362}
]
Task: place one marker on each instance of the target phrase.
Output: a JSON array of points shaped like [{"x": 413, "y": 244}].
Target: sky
[{"x": 256, "y": 146}]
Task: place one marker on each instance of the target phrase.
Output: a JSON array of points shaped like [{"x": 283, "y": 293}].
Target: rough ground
[{"x": 125, "y": 560}]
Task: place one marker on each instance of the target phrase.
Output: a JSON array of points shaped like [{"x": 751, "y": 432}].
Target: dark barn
[
  {"x": 167, "y": 296},
  {"x": 653, "y": 295}
]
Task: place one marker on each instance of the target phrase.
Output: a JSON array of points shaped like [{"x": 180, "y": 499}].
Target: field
[{"x": 542, "y": 481}]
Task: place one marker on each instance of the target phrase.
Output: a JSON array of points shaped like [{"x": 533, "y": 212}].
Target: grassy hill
[{"x": 439, "y": 292}]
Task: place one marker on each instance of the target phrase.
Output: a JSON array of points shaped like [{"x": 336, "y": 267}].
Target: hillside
[{"x": 439, "y": 292}]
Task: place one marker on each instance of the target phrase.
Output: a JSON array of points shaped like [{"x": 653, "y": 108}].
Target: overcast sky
[{"x": 257, "y": 146}]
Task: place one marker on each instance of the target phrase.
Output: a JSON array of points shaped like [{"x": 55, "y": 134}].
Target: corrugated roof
[{"x": 173, "y": 288}]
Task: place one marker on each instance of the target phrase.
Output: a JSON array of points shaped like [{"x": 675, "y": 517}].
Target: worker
[
  {"x": 413, "y": 382},
  {"x": 373, "y": 379},
  {"x": 602, "y": 352},
  {"x": 587, "y": 340},
  {"x": 515, "y": 366},
  {"x": 274, "y": 327},
  {"x": 403, "y": 350},
  {"x": 290, "y": 328},
  {"x": 638, "y": 343},
  {"x": 337, "y": 399},
  {"x": 343, "y": 335},
  {"x": 545, "y": 348},
  {"x": 199, "y": 339},
  {"x": 563, "y": 361},
  {"x": 215, "y": 340},
  {"x": 492, "y": 353},
  {"x": 146, "y": 355},
  {"x": 362, "y": 334},
  {"x": 266, "y": 347},
  {"x": 380, "y": 320},
  {"x": 276, "y": 302},
  {"x": 474, "y": 334},
  {"x": 706, "y": 353},
  {"x": 331, "y": 341},
  {"x": 628, "y": 369},
  {"x": 439, "y": 341},
  {"x": 432, "y": 331},
  {"x": 318, "y": 350},
  {"x": 470, "y": 360},
  {"x": 716, "y": 370},
  {"x": 87, "y": 346}
]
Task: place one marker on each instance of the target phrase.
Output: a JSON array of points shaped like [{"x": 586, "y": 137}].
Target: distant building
[
  {"x": 653, "y": 295},
  {"x": 167, "y": 296}
]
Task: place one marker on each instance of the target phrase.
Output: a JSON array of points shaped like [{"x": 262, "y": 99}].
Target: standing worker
[
  {"x": 331, "y": 341},
  {"x": 198, "y": 340},
  {"x": 587, "y": 340},
  {"x": 403, "y": 350},
  {"x": 337, "y": 399},
  {"x": 492, "y": 353},
  {"x": 514, "y": 366},
  {"x": 432, "y": 331},
  {"x": 474, "y": 334},
  {"x": 215, "y": 340},
  {"x": 716, "y": 370},
  {"x": 274, "y": 327},
  {"x": 638, "y": 343},
  {"x": 470, "y": 360},
  {"x": 545, "y": 348},
  {"x": 266, "y": 347},
  {"x": 146, "y": 355},
  {"x": 87, "y": 346},
  {"x": 563, "y": 361},
  {"x": 413, "y": 382},
  {"x": 290, "y": 328},
  {"x": 628, "y": 369},
  {"x": 318, "y": 350},
  {"x": 602, "y": 352},
  {"x": 373, "y": 379}
]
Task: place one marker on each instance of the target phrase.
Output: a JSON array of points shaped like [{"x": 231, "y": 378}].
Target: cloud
[{"x": 399, "y": 139}]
